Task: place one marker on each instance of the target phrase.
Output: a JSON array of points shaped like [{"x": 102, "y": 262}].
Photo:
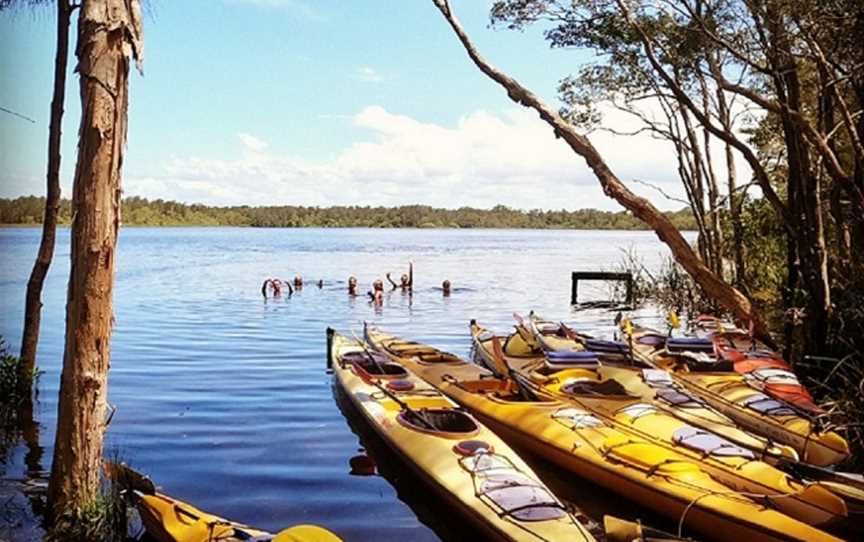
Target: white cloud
[
  {"x": 252, "y": 143},
  {"x": 509, "y": 158},
  {"x": 367, "y": 75}
]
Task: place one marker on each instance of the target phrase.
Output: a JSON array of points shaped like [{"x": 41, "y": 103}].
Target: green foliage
[
  {"x": 10, "y": 395},
  {"x": 141, "y": 212},
  {"x": 105, "y": 519}
]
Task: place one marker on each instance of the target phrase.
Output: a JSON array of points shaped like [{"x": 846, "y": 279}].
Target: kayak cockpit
[
  {"x": 373, "y": 364},
  {"x": 445, "y": 422}
]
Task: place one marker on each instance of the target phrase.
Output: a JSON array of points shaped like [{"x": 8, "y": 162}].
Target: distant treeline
[{"x": 142, "y": 212}]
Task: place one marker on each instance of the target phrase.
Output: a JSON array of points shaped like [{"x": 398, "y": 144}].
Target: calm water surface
[{"x": 222, "y": 397}]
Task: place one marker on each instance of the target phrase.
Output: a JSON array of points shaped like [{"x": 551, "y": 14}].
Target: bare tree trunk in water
[
  {"x": 33, "y": 303},
  {"x": 109, "y": 32},
  {"x": 714, "y": 286}
]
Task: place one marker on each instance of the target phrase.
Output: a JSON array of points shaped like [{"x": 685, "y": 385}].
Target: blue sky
[{"x": 320, "y": 102}]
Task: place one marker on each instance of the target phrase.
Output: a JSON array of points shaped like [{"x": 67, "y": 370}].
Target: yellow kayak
[
  {"x": 657, "y": 477},
  {"x": 730, "y": 394},
  {"x": 604, "y": 395},
  {"x": 167, "y": 519},
  {"x": 467, "y": 465},
  {"x": 523, "y": 352}
]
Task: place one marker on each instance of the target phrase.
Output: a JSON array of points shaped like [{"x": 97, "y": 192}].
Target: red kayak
[{"x": 763, "y": 368}]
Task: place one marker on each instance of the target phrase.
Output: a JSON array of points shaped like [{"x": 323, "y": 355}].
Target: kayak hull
[
  {"x": 662, "y": 480},
  {"x": 436, "y": 460}
]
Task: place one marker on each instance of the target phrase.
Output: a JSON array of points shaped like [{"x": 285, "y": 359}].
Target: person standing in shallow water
[
  {"x": 445, "y": 287},
  {"x": 298, "y": 282},
  {"x": 352, "y": 285}
]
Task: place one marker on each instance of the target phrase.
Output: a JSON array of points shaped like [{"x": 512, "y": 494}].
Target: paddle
[
  {"x": 392, "y": 396},
  {"x": 128, "y": 478},
  {"x": 569, "y": 333},
  {"x": 526, "y": 333},
  {"x": 519, "y": 319},
  {"x": 674, "y": 322},
  {"x": 802, "y": 470},
  {"x": 505, "y": 371}
]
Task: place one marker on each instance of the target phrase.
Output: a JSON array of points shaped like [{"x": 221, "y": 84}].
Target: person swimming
[
  {"x": 352, "y": 285},
  {"x": 406, "y": 281},
  {"x": 377, "y": 293},
  {"x": 274, "y": 287},
  {"x": 298, "y": 282},
  {"x": 445, "y": 287}
]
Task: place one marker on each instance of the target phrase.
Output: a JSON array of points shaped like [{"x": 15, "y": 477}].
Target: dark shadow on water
[
  {"x": 446, "y": 522},
  {"x": 592, "y": 500},
  {"x": 24, "y": 483}
]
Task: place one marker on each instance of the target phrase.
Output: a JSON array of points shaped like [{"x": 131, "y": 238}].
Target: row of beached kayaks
[{"x": 745, "y": 459}]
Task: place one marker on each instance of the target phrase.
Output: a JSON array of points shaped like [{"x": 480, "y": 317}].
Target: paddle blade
[
  {"x": 128, "y": 478},
  {"x": 498, "y": 357},
  {"x": 620, "y": 530},
  {"x": 627, "y": 327}
]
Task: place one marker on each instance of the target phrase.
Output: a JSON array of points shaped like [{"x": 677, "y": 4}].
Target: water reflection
[
  {"x": 410, "y": 489},
  {"x": 24, "y": 484}
]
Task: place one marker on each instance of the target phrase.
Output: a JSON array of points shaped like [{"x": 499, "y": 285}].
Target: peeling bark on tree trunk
[
  {"x": 714, "y": 286},
  {"x": 108, "y": 34},
  {"x": 33, "y": 303}
]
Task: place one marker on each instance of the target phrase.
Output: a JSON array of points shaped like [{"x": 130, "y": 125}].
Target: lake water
[{"x": 222, "y": 397}]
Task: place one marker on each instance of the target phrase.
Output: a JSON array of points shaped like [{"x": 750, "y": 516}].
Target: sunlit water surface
[{"x": 222, "y": 397}]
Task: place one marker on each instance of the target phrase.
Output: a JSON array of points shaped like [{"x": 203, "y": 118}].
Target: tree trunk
[
  {"x": 732, "y": 186},
  {"x": 33, "y": 303},
  {"x": 714, "y": 286},
  {"x": 812, "y": 253},
  {"x": 108, "y": 34}
]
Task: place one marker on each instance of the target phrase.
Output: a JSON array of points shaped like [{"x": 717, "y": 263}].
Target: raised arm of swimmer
[{"x": 391, "y": 281}]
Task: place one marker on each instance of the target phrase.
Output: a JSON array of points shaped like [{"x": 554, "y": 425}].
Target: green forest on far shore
[{"x": 138, "y": 211}]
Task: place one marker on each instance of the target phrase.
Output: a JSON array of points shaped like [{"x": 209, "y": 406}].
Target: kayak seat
[
  {"x": 606, "y": 347},
  {"x": 571, "y": 358},
  {"x": 691, "y": 344}
]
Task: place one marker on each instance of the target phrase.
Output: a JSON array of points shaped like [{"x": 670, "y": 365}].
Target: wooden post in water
[
  {"x": 576, "y": 276},
  {"x": 330, "y": 332}
]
